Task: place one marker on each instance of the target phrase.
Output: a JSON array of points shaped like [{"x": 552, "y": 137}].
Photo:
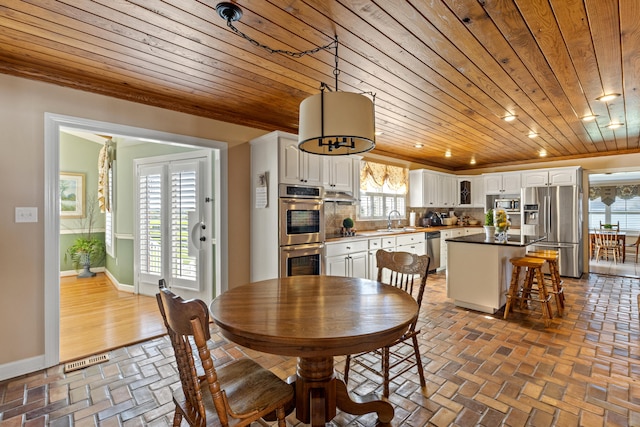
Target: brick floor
[{"x": 481, "y": 370}]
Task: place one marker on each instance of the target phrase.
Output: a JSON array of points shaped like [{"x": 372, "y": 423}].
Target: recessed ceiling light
[
  {"x": 509, "y": 117},
  {"x": 418, "y": 145},
  {"x": 615, "y": 125},
  {"x": 447, "y": 153},
  {"x": 543, "y": 153},
  {"x": 473, "y": 161},
  {"x": 532, "y": 134},
  {"x": 608, "y": 97},
  {"x": 588, "y": 118}
]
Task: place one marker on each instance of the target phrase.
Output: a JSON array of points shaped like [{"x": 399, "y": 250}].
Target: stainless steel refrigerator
[{"x": 556, "y": 213}]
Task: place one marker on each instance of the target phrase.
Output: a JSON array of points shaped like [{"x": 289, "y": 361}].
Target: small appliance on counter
[{"x": 433, "y": 218}]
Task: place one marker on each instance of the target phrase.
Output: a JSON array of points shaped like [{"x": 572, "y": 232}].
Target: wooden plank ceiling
[{"x": 445, "y": 72}]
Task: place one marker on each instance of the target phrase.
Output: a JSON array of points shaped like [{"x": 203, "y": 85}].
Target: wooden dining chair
[
  {"x": 606, "y": 243},
  {"x": 235, "y": 394},
  {"x": 636, "y": 244},
  {"x": 408, "y": 272}
]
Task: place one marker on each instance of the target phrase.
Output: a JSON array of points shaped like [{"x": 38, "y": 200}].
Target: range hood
[{"x": 340, "y": 197}]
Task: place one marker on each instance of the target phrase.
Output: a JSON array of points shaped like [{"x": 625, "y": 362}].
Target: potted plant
[
  {"x": 347, "y": 223},
  {"x": 489, "y": 228},
  {"x": 84, "y": 252},
  {"x": 87, "y": 249}
]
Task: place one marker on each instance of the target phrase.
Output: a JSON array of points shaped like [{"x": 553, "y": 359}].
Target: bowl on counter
[
  {"x": 449, "y": 221},
  {"x": 474, "y": 222}
]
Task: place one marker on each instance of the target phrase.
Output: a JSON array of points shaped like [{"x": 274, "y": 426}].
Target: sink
[{"x": 395, "y": 230}]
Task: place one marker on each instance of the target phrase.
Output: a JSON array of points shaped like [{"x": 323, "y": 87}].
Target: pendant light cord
[{"x": 333, "y": 44}]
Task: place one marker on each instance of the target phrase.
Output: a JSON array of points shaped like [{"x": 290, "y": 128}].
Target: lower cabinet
[
  {"x": 444, "y": 235},
  {"x": 387, "y": 243},
  {"x": 413, "y": 243},
  {"x": 347, "y": 259},
  {"x": 357, "y": 258}
]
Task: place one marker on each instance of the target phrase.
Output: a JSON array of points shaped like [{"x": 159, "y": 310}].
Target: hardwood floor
[{"x": 95, "y": 317}]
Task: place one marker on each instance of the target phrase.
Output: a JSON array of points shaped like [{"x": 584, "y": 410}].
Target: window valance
[
  {"x": 608, "y": 193},
  {"x": 377, "y": 175}
]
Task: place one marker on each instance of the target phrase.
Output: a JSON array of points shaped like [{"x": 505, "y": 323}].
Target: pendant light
[
  {"x": 331, "y": 123},
  {"x": 334, "y": 123}
]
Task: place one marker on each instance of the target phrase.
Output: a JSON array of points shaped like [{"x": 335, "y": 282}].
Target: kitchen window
[{"x": 383, "y": 188}]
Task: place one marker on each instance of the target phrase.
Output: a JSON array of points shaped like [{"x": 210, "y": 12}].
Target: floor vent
[{"x": 86, "y": 362}]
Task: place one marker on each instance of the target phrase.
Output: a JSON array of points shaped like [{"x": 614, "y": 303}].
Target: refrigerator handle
[{"x": 547, "y": 207}]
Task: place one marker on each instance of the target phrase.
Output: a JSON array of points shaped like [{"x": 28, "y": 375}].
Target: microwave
[{"x": 507, "y": 204}]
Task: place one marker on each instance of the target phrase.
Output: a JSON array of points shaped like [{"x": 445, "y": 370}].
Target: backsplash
[{"x": 335, "y": 213}]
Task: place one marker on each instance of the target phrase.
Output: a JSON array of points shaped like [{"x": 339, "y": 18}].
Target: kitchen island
[{"x": 479, "y": 271}]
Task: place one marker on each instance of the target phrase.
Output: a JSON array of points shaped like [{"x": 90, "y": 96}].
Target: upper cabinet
[
  {"x": 423, "y": 188},
  {"x": 441, "y": 190},
  {"x": 547, "y": 177},
  {"x": 447, "y": 191},
  {"x": 298, "y": 167},
  {"x": 502, "y": 183},
  {"x": 470, "y": 191},
  {"x": 339, "y": 173}
]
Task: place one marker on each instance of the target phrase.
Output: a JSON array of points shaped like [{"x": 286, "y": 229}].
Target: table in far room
[{"x": 315, "y": 318}]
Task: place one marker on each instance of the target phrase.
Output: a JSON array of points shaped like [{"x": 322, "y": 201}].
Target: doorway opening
[
  {"x": 54, "y": 125},
  {"x": 614, "y": 203}
]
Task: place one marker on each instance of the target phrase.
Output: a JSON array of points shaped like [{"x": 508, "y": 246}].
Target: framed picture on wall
[{"x": 71, "y": 195}]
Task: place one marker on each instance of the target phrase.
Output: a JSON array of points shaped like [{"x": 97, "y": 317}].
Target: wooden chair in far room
[
  {"x": 612, "y": 227},
  {"x": 636, "y": 244},
  {"x": 235, "y": 394},
  {"x": 408, "y": 272},
  {"x": 606, "y": 243}
]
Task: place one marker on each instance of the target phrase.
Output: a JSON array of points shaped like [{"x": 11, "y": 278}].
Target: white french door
[{"x": 173, "y": 226}]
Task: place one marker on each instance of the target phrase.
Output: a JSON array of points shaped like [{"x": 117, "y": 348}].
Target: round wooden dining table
[{"x": 315, "y": 318}]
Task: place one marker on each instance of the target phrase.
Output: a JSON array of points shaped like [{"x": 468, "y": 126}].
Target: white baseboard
[
  {"x": 120, "y": 286},
  {"x": 21, "y": 367}
]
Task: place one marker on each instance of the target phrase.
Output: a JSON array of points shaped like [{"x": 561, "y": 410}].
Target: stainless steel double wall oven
[{"x": 301, "y": 212}]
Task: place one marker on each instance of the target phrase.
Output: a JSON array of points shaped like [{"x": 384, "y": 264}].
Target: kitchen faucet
[{"x": 389, "y": 220}]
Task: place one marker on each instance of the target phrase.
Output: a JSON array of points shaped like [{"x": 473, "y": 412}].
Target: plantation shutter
[{"x": 151, "y": 222}]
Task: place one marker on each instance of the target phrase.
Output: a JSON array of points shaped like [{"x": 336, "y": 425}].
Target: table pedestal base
[{"x": 319, "y": 393}]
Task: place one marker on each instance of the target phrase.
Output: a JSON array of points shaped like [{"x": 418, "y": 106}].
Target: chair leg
[
  {"x": 385, "y": 371},
  {"x": 177, "y": 418},
  {"x": 423, "y": 383},
  {"x": 280, "y": 413},
  {"x": 347, "y": 365}
]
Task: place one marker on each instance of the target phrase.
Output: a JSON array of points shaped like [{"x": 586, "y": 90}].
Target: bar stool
[
  {"x": 551, "y": 257},
  {"x": 533, "y": 268}
]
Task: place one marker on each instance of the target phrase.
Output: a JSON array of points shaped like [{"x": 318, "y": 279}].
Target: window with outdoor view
[{"x": 383, "y": 188}]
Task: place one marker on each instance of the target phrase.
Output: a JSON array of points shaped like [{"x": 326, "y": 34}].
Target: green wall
[{"x": 78, "y": 155}]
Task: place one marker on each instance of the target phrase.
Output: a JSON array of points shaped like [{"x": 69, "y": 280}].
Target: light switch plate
[{"x": 26, "y": 214}]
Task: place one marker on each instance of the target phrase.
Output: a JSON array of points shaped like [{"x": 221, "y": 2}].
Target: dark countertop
[{"x": 512, "y": 240}]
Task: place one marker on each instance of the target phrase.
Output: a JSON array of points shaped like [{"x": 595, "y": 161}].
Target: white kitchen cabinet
[
  {"x": 473, "y": 230},
  {"x": 477, "y": 192},
  {"x": 298, "y": 167},
  {"x": 470, "y": 192},
  {"x": 423, "y": 188},
  {"x": 447, "y": 193},
  {"x": 502, "y": 183},
  {"x": 338, "y": 173},
  {"x": 387, "y": 243},
  {"x": 547, "y": 177},
  {"x": 444, "y": 235},
  {"x": 347, "y": 259},
  {"x": 413, "y": 243}
]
